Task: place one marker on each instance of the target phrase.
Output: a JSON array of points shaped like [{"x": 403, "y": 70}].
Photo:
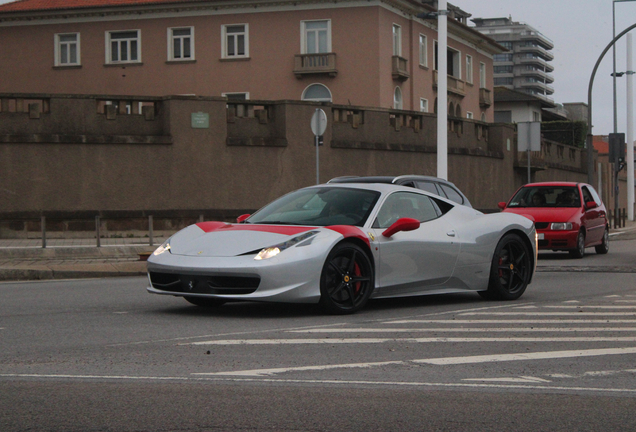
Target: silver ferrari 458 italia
[{"x": 341, "y": 244}]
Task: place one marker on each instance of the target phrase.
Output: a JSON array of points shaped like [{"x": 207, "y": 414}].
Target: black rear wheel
[
  {"x": 347, "y": 280},
  {"x": 603, "y": 248},
  {"x": 510, "y": 270}
]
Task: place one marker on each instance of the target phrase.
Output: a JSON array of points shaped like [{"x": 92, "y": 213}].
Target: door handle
[{"x": 451, "y": 233}]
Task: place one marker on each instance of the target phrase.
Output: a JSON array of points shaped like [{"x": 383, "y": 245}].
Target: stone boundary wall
[{"x": 77, "y": 156}]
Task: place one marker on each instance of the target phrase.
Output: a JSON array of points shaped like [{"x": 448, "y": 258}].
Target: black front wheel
[
  {"x": 510, "y": 270},
  {"x": 347, "y": 280},
  {"x": 579, "y": 252}
]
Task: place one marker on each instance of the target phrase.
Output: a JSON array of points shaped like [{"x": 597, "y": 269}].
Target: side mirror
[
  {"x": 501, "y": 205},
  {"x": 402, "y": 224},
  {"x": 242, "y": 217},
  {"x": 590, "y": 205}
]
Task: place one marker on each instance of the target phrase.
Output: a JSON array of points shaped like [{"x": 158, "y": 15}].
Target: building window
[
  {"x": 423, "y": 51},
  {"x": 397, "y": 98},
  {"x": 235, "y": 41},
  {"x": 397, "y": 40},
  {"x": 123, "y": 46},
  {"x": 181, "y": 43},
  {"x": 423, "y": 105},
  {"x": 67, "y": 49},
  {"x": 536, "y": 117},
  {"x": 317, "y": 93},
  {"x": 502, "y": 57},
  {"x": 469, "y": 115},
  {"x": 469, "y": 69},
  {"x": 237, "y": 96},
  {"x": 482, "y": 75},
  {"x": 503, "y": 81},
  {"x": 452, "y": 61},
  {"x": 502, "y": 69},
  {"x": 316, "y": 37}
]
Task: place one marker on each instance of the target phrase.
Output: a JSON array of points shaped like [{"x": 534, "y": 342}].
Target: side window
[
  {"x": 235, "y": 41},
  {"x": 452, "y": 194},
  {"x": 587, "y": 196},
  {"x": 597, "y": 199},
  {"x": 428, "y": 187},
  {"x": 67, "y": 49},
  {"x": 404, "y": 204}
]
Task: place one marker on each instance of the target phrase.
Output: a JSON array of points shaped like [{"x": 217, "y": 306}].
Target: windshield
[
  {"x": 319, "y": 207},
  {"x": 546, "y": 196}
]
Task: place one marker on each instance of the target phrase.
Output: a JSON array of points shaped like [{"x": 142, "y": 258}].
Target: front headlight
[
  {"x": 165, "y": 246},
  {"x": 561, "y": 226},
  {"x": 272, "y": 251}
]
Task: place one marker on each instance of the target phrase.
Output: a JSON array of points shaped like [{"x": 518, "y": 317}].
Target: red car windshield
[{"x": 546, "y": 196}]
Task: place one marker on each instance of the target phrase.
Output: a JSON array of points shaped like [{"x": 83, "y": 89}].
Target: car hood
[
  {"x": 551, "y": 214},
  {"x": 219, "y": 239}
]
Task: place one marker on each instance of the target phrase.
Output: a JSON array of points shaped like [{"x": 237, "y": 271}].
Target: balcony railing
[
  {"x": 322, "y": 63},
  {"x": 399, "y": 65},
  {"x": 454, "y": 85},
  {"x": 485, "y": 98}
]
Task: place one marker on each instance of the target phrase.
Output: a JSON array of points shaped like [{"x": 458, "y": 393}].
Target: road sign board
[{"x": 319, "y": 122}]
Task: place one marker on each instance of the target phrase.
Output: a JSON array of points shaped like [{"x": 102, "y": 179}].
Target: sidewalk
[
  {"x": 73, "y": 258},
  {"x": 81, "y": 258}
]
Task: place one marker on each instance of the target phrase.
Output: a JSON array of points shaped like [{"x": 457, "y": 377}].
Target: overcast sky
[{"x": 580, "y": 30}]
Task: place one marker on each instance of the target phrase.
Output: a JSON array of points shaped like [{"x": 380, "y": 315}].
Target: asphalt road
[{"x": 103, "y": 355}]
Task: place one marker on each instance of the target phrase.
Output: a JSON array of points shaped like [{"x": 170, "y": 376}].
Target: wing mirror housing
[
  {"x": 242, "y": 217},
  {"x": 590, "y": 205},
  {"x": 501, "y": 205},
  {"x": 402, "y": 224}
]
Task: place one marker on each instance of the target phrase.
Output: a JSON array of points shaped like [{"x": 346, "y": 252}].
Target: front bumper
[
  {"x": 291, "y": 278},
  {"x": 557, "y": 240}
]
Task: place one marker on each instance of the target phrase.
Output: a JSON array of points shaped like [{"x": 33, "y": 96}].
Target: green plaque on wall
[{"x": 200, "y": 120}]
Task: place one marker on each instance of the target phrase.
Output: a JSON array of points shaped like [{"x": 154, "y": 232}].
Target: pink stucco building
[{"x": 373, "y": 53}]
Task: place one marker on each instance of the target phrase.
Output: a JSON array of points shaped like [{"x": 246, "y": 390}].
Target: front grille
[
  {"x": 559, "y": 242},
  {"x": 203, "y": 284},
  {"x": 541, "y": 225},
  {"x": 544, "y": 243}
]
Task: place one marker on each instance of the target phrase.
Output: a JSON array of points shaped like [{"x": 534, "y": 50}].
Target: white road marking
[
  {"x": 486, "y": 321},
  {"x": 527, "y": 356},
  {"x": 269, "y": 372},
  {"x": 522, "y": 379},
  {"x": 572, "y": 301},
  {"x": 436, "y": 361},
  {"x": 580, "y": 313},
  {"x": 407, "y": 340},
  {"x": 589, "y": 307},
  {"x": 334, "y": 382},
  {"x": 469, "y": 330}
]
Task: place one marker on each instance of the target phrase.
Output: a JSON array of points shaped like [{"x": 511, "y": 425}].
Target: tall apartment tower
[{"x": 525, "y": 67}]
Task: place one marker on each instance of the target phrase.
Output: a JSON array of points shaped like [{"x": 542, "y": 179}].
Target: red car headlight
[{"x": 561, "y": 226}]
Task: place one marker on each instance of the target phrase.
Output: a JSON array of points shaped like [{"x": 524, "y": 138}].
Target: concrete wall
[{"x": 73, "y": 155}]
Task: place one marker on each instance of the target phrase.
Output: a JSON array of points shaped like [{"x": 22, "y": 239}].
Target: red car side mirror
[
  {"x": 590, "y": 205},
  {"x": 501, "y": 205},
  {"x": 402, "y": 224},
  {"x": 242, "y": 217}
]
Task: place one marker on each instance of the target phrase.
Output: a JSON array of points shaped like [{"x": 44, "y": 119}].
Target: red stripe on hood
[{"x": 276, "y": 229}]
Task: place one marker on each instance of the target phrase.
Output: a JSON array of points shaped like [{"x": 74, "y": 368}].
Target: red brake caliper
[{"x": 357, "y": 272}]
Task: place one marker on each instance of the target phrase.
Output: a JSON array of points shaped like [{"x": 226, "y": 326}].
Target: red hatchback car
[{"x": 568, "y": 216}]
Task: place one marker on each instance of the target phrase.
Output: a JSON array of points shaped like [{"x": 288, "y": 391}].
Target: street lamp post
[{"x": 630, "y": 119}]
